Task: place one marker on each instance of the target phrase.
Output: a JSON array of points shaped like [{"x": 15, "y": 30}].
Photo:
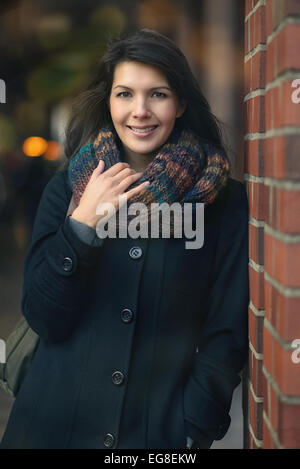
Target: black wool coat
[{"x": 134, "y": 352}]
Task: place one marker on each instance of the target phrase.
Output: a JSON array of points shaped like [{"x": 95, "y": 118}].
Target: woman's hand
[{"x": 106, "y": 187}]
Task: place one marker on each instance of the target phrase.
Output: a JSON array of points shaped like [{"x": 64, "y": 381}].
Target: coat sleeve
[
  {"x": 56, "y": 267},
  {"x": 223, "y": 339}
]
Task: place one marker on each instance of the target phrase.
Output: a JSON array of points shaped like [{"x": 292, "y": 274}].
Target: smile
[{"x": 145, "y": 131}]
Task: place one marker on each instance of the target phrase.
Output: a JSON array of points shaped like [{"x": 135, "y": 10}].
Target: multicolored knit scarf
[{"x": 184, "y": 170}]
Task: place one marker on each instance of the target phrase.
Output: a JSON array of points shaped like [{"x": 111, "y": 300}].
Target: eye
[
  {"x": 123, "y": 94},
  {"x": 158, "y": 94}
]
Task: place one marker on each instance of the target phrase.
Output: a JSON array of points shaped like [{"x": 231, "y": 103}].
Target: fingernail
[{"x": 146, "y": 183}]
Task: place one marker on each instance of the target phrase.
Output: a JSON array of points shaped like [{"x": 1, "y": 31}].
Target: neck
[{"x": 138, "y": 162}]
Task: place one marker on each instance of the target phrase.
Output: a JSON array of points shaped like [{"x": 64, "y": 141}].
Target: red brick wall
[{"x": 272, "y": 176}]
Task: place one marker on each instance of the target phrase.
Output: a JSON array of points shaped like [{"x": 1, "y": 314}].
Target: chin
[{"x": 144, "y": 150}]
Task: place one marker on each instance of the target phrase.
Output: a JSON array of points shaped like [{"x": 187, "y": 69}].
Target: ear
[{"x": 181, "y": 108}]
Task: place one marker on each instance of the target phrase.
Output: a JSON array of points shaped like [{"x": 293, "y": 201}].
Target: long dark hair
[{"x": 90, "y": 109}]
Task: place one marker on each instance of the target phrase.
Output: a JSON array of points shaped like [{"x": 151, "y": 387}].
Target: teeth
[{"x": 141, "y": 131}]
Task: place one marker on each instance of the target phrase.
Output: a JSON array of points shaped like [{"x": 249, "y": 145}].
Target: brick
[
  {"x": 256, "y": 244},
  {"x": 256, "y": 286},
  {"x": 270, "y": 60},
  {"x": 269, "y": 244},
  {"x": 289, "y": 275},
  {"x": 276, "y": 157},
  {"x": 261, "y": 25},
  {"x": 288, "y": 317},
  {"x": 283, "y": 417},
  {"x": 282, "y": 261},
  {"x": 287, "y": 161},
  {"x": 279, "y": 365},
  {"x": 248, "y": 7},
  {"x": 268, "y": 350},
  {"x": 277, "y": 109},
  {"x": 288, "y": 48},
  {"x": 271, "y": 212},
  {"x": 287, "y": 257},
  {"x": 268, "y": 442},
  {"x": 254, "y": 157},
  {"x": 285, "y": 110},
  {"x": 246, "y": 37},
  {"x": 254, "y": 69},
  {"x": 257, "y": 199},
  {"x": 282, "y": 312},
  {"x": 256, "y": 420},
  {"x": 281, "y": 157},
  {"x": 285, "y": 372},
  {"x": 289, "y": 425},
  {"x": 269, "y": 17},
  {"x": 247, "y": 76},
  {"x": 273, "y": 407},
  {"x": 289, "y": 203},
  {"x": 269, "y": 111},
  {"x": 271, "y": 310},
  {"x": 283, "y": 205},
  {"x": 255, "y": 374},
  {"x": 246, "y": 106},
  {"x": 252, "y": 37},
  {"x": 255, "y": 113},
  {"x": 257, "y": 28},
  {"x": 270, "y": 157},
  {"x": 280, "y": 111},
  {"x": 258, "y": 70},
  {"x": 283, "y": 9},
  {"x": 251, "y": 442},
  {"x": 256, "y": 325},
  {"x": 266, "y": 394}
]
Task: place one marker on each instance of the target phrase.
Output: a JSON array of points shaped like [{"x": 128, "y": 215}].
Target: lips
[{"x": 143, "y": 130}]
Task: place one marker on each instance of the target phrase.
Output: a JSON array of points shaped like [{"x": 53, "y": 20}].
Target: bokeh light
[
  {"x": 53, "y": 151},
  {"x": 34, "y": 146}
]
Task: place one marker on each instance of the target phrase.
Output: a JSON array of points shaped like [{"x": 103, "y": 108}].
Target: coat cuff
[
  {"x": 86, "y": 233},
  {"x": 86, "y": 253}
]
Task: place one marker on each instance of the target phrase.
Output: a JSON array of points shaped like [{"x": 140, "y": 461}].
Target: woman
[{"x": 141, "y": 338}]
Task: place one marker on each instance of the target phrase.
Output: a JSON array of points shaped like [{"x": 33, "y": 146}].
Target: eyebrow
[{"x": 151, "y": 89}]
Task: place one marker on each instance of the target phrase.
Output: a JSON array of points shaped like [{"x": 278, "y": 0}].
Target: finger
[
  {"x": 138, "y": 189},
  {"x": 100, "y": 168},
  {"x": 116, "y": 168},
  {"x": 125, "y": 183},
  {"x": 122, "y": 175}
]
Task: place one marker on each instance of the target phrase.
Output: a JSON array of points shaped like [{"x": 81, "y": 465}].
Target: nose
[{"x": 140, "y": 108}]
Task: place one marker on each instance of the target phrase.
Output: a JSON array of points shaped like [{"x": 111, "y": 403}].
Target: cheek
[
  {"x": 116, "y": 111},
  {"x": 168, "y": 115}
]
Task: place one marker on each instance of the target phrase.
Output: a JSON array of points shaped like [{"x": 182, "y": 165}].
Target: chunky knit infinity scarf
[{"x": 184, "y": 170}]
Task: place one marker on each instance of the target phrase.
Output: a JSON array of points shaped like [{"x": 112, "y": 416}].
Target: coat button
[
  {"x": 67, "y": 264},
  {"x": 126, "y": 315},
  {"x": 135, "y": 252},
  {"x": 117, "y": 378},
  {"x": 109, "y": 440}
]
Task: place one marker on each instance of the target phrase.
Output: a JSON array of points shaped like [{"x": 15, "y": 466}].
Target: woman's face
[{"x": 143, "y": 107}]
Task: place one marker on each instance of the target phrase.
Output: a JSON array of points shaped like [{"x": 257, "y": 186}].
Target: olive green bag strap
[{"x": 20, "y": 348}]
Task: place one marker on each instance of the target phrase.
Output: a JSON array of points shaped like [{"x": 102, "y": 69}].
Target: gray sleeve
[{"x": 86, "y": 233}]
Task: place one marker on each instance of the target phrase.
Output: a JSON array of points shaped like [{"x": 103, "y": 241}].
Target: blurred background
[{"x": 49, "y": 50}]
